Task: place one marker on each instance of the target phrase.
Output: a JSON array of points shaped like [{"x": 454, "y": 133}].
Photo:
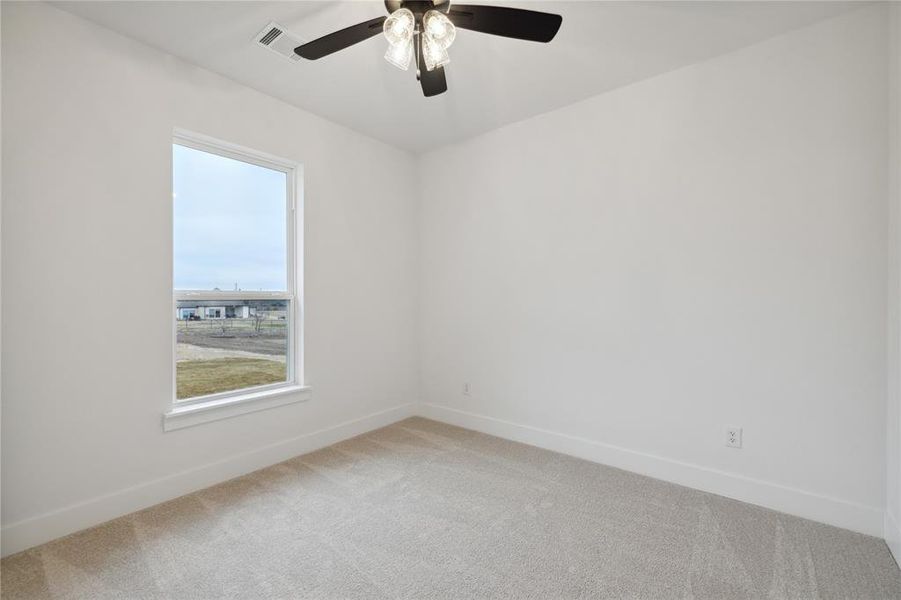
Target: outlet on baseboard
[
  {"x": 467, "y": 390},
  {"x": 733, "y": 437}
]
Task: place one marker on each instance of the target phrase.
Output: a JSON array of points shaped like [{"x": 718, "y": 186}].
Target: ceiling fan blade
[
  {"x": 508, "y": 22},
  {"x": 433, "y": 82},
  {"x": 340, "y": 40}
]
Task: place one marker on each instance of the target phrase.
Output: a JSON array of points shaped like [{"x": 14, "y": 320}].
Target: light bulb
[
  {"x": 439, "y": 28},
  {"x": 433, "y": 53},
  {"x": 400, "y": 54},
  {"x": 399, "y": 26}
]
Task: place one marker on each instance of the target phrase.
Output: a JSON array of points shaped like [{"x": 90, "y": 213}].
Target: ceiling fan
[{"x": 425, "y": 29}]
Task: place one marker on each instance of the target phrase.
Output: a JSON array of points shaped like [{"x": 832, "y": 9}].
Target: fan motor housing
[{"x": 417, "y": 7}]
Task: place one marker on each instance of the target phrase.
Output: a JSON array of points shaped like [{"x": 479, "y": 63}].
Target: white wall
[
  {"x": 893, "y": 406},
  {"x": 88, "y": 119},
  {"x": 622, "y": 278}
]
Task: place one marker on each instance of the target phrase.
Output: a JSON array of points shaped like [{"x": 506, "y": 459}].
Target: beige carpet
[{"x": 425, "y": 510}]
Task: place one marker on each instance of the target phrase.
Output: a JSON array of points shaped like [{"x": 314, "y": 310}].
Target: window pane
[
  {"x": 227, "y": 345},
  {"x": 230, "y": 226}
]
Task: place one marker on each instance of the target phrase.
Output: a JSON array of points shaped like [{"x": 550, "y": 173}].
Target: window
[{"x": 235, "y": 309}]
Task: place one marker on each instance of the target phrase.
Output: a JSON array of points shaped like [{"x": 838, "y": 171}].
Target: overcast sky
[{"x": 230, "y": 225}]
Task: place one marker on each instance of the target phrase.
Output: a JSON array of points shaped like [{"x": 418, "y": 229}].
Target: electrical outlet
[
  {"x": 467, "y": 390},
  {"x": 733, "y": 437}
]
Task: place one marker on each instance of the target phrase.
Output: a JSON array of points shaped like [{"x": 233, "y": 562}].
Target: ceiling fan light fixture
[
  {"x": 423, "y": 30},
  {"x": 434, "y": 54},
  {"x": 400, "y": 54},
  {"x": 438, "y": 27},
  {"x": 399, "y": 26}
]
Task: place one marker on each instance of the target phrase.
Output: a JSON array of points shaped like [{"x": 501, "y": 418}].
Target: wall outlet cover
[{"x": 733, "y": 437}]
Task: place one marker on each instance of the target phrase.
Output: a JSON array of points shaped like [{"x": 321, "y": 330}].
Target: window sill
[{"x": 179, "y": 417}]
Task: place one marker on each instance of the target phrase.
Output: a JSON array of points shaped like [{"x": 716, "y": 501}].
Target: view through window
[{"x": 232, "y": 272}]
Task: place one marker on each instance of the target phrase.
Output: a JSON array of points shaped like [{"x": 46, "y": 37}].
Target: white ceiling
[{"x": 492, "y": 81}]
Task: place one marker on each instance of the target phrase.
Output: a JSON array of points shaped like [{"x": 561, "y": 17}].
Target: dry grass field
[
  {"x": 202, "y": 377},
  {"x": 225, "y": 355}
]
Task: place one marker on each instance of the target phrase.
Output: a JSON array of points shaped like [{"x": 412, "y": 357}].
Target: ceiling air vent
[{"x": 274, "y": 37}]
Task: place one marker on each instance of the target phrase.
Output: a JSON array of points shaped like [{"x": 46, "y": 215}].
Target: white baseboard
[
  {"x": 43, "y": 528},
  {"x": 892, "y": 534},
  {"x": 825, "y": 509}
]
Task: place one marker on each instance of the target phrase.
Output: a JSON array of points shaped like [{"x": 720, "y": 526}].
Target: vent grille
[
  {"x": 270, "y": 36},
  {"x": 277, "y": 39}
]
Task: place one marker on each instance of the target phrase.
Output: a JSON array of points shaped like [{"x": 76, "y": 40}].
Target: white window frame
[{"x": 192, "y": 411}]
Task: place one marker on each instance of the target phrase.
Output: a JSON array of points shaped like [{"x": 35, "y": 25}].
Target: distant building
[
  {"x": 196, "y": 310},
  {"x": 200, "y": 310}
]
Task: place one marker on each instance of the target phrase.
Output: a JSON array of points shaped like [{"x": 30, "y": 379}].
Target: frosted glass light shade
[
  {"x": 399, "y": 26},
  {"x": 438, "y": 27},
  {"x": 400, "y": 54},
  {"x": 433, "y": 53}
]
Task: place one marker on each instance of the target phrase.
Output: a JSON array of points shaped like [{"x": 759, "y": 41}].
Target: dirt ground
[
  {"x": 191, "y": 352},
  {"x": 271, "y": 343}
]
